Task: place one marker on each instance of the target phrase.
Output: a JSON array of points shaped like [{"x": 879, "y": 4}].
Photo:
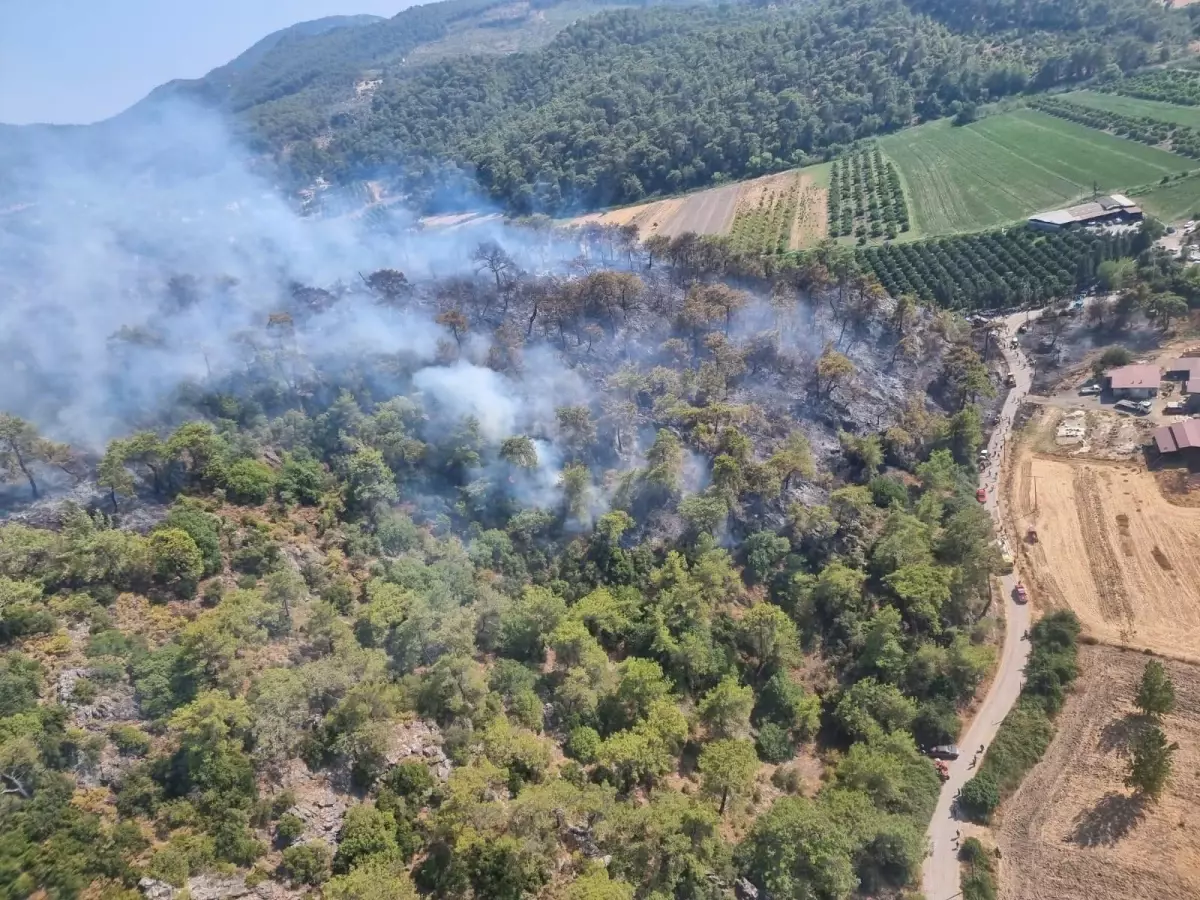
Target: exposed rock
[
  {"x": 153, "y": 889},
  {"x": 65, "y": 686},
  {"x": 744, "y": 889},
  {"x": 318, "y": 804},
  {"x": 217, "y": 887},
  {"x": 273, "y": 890},
  {"x": 115, "y": 704}
]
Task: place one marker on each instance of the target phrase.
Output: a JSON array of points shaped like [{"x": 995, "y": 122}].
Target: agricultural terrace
[
  {"x": 1181, "y": 139},
  {"x": 865, "y": 196},
  {"x": 1135, "y": 107},
  {"x": 996, "y": 268},
  {"x": 1180, "y": 86},
  {"x": 1004, "y": 168}
]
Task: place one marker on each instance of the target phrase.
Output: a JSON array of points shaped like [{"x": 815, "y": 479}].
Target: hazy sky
[{"x": 70, "y": 61}]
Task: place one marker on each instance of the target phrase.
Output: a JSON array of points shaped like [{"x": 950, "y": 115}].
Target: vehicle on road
[
  {"x": 1011, "y": 380},
  {"x": 981, "y": 495},
  {"x": 1031, "y": 536},
  {"x": 1175, "y": 408},
  {"x": 1089, "y": 390},
  {"x": 1020, "y": 594},
  {"x": 944, "y": 751}
]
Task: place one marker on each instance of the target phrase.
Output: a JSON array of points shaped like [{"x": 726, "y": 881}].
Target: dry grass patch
[
  {"x": 1113, "y": 549},
  {"x": 1074, "y": 831}
]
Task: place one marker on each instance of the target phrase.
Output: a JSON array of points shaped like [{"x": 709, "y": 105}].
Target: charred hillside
[{"x": 344, "y": 556}]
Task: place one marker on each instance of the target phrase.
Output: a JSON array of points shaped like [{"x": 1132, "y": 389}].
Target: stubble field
[
  {"x": 1111, "y": 548},
  {"x": 1073, "y": 831}
]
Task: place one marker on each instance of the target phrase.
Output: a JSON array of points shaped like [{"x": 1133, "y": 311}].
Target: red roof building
[
  {"x": 1138, "y": 377},
  {"x": 1183, "y": 435}
]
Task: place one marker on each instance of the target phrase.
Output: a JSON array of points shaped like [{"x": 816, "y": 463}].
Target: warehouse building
[
  {"x": 1116, "y": 209},
  {"x": 1139, "y": 382},
  {"x": 1180, "y": 439}
]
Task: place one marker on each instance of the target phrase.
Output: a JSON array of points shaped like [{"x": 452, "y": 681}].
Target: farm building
[
  {"x": 1181, "y": 438},
  {"x": 1112, "y": 210},
  {"x": 1187, "y": 370},
  {"x": 1139, "y": 382}
]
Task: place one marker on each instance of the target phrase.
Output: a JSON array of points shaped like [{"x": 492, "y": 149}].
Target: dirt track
[
  {"x": 1073, "y": 831},
  {"x": 1112, "y": 549}
]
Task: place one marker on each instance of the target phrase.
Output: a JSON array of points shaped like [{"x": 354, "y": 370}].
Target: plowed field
[
  {"x": 1111, "y": 548},
  {"x": 1074, "y": 831}
]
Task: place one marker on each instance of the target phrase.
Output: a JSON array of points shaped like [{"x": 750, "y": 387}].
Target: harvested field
[
  {"x": 1074, "y": 831},
  {"x": 1112, "y": 548},
  {"x": 789, "y": 207},
  {"x": 706, "y": 212}
]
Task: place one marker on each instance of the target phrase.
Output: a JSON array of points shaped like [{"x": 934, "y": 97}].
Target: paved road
[{"x": 940, "y": 878}]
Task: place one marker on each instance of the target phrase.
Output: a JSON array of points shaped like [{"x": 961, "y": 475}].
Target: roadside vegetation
[
  {"x": 1027, "y": 730},
  {"x": 979, "y": 877}
]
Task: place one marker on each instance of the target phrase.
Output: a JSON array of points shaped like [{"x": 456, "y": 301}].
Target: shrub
[
  {"x": 129, "y": 740},
  {"x": 249, "y": 482},
  {"x": 774, "y": 744},
  {"x": 84, "y": 691},
  {"x": 307, "y": 863},
  {"x": 289, "y": 827},
  {"x": 980, "y": 796}
]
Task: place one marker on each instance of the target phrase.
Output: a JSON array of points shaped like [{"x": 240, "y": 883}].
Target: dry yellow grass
[{"x": 1074, "y": 831}]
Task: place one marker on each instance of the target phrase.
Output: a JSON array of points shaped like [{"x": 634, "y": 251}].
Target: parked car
[
  {"x": 981, "y": 495},
  {"x": 1089, "y": 390},
  {"x": 944, "y": 751},
  {"x": 1020, "y": 594},
  {"x": 1175, "y": 408}
]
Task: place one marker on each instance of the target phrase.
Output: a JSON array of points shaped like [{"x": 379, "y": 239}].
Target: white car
[{"x": 1089, "y": 390}]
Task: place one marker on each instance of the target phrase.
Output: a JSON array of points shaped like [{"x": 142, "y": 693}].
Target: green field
[
  {"x": 1004, "y": 168},
  {"x": 1173, "y": 202},
  {"x": 1136, "y": 107}
]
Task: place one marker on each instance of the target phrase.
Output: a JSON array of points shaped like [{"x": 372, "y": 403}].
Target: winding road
[{"x": 940, "y": 877}]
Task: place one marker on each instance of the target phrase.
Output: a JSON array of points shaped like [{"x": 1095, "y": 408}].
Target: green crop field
[
  {"x": 1173, "y": 202},
  {"x": 1004, "y": 168},
  {"x": 1136, "y": 107}
]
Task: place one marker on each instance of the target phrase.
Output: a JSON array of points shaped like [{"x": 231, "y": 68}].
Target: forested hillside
[{"x": 640, "y": 582}]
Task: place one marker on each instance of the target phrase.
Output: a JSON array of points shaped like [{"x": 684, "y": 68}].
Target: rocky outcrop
[
  {"x": 422, "y": 739},
  {"x": 206, "y": 887}
]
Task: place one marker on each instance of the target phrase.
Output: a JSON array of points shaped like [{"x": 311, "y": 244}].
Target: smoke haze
[{"x": 95, "y": 338}]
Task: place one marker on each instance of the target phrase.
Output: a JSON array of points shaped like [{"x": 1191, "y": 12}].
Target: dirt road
[{"x": 940, "y": 878}]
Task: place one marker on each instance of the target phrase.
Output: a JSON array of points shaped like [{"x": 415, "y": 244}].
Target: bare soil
[
  {"x": 713, "y": 211},
  {"x": 1110, "y": 547},
  {"x": 1074, "y": 831},
  {"x": 812, "y": 215}
]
